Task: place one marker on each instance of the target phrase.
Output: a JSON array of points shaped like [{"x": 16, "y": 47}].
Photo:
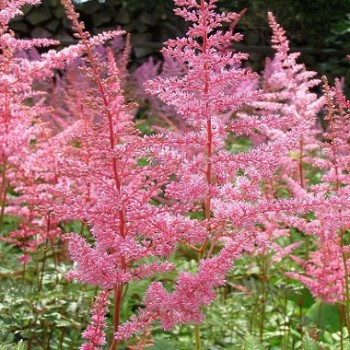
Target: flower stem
[
  {"x": 346, "y": 282},
  {"x": 3, "y": 193},
  {"x": 198, "y": 345},
  {"x": 118, "y": 292}
]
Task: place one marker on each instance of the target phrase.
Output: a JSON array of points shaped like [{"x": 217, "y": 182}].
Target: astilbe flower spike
[
  {"x": 23, "y": 132},
  {"x": 30, "y": 149},
  {"x": 328, "y": 278},
  {"x": 287, "y": 93},
  {"x": 221, "y": 187},
  {"x": 94, "y": 333},
  {"x": 111, "y": 181},
  {"x": 11, "y": 8},
  {"x": 288, "y": 109}
]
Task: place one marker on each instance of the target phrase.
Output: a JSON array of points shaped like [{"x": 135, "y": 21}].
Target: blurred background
[{"x": 319, "y": 29}]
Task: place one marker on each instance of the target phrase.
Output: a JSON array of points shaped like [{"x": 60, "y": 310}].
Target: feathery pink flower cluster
[
  {"x": 72, "y": 156},
  {"x": 94, "y": 333}
]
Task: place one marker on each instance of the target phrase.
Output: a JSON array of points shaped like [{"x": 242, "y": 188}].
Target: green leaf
[
  {"x": 20, "y": 346},
  {"x": 309, "y": 343},
  {"x": 163, "y": 344},
  {"x": 143, "y": 162},
  {"x": 325, "y": 316},
  {"x": 301, "y": 297},
  {"x": 251, "y": 343}
]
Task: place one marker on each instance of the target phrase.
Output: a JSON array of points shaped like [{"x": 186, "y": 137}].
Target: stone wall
[{"x": 150, "y": 23}]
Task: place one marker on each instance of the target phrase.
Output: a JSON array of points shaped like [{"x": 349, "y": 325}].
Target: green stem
[
  {"x": 45, "y": 253},
  {"x": 341, "y": 319},
  {"x": 198, "y": 345},
  {"x": 42, "y": 272},
  {"x": 61, "y": 339},
  {"x": 3, "y": 193},
  {"x": 346, "y": 282},
  {"x": 264, "y": 280}
]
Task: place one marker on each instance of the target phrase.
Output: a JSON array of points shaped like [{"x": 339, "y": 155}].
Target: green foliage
[
  {"x": 251, "y": 343},
  {"x": 162, "y": 344},
  {"x": 325, "y": 316},
  {"x": 38, "y": 305},
  {"x": 19, "y": 346},
  {"x": 309, "y": 343},
  {"x": 240, "y": 144}
]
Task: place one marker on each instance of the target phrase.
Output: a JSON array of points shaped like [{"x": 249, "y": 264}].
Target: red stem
[
  {"x": 209, "y": 144},
  {"x": 113, "y": 140}
]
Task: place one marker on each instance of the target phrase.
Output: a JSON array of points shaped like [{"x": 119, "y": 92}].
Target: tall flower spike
[
  {"x": 211, "y": 182},
  {"x": 21, "y": 124},
  {"x": 211, "y": 78},
  {"x": 206, "y": 184},
  {"x": 110, "y": 183},
  {"x": 288, "y": 97},
  {"x": 327, "y": 277},
  {"x": 94, "y": 333},
  {"x": 30, "y": 168},
  {"x": 288, "y": 94}
]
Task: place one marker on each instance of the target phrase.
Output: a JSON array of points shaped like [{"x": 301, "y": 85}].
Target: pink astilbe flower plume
[
  {"x": 336, "y": 145},
  {"x": 23, "y": 132},
  {"x": 324, "y": 272},
  {"x": 220, "y": 187},
  {"x": 327, "y": 270},
  {"x": 110, "y": 177},
  {"x": 10, "y": 9},
  {"x": 288, "y": 108},
  {"x": 30, "y": 150},
  {"x": 94, "y": 333},
  {"x": 288, "y": 94}
]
